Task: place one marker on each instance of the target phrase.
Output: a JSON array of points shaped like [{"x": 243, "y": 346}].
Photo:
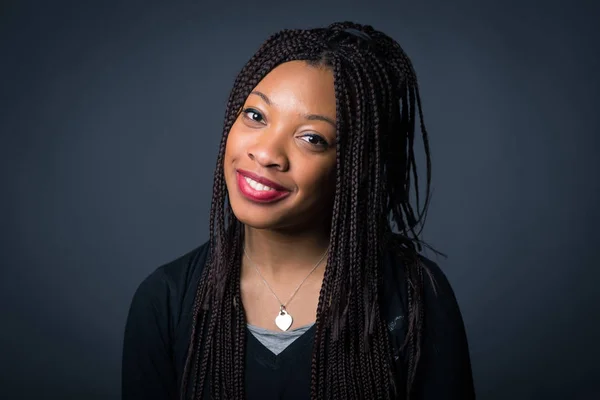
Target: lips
[{"x": 259, "y": 189}]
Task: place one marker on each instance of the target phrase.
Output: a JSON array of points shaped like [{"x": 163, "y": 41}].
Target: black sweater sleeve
[
  {"x": 148, "y": 370},
  {"x": 444, "y": 371}
]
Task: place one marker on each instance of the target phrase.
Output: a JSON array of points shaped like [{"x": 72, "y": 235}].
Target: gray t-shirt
[{"x": 277, "y": 341}]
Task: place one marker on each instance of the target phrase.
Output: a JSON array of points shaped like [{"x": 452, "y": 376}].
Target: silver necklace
[{"x": 284, "y": 319}]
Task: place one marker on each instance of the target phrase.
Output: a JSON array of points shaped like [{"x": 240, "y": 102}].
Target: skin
[{"x": 275, "y": 138}]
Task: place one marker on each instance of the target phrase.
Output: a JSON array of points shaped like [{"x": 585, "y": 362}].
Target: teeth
[{"x": 257, "y": 186}]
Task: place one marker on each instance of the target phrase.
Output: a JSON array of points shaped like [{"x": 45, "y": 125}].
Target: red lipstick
[{"x": 276, "y": 193}]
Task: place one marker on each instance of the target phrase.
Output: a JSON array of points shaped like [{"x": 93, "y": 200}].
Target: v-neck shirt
[
  {"x": 158, "y": 329},
  {"x": 275, "y": 341}
]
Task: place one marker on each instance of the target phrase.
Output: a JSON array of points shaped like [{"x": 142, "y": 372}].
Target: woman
[{"x": 312, "y": 284}]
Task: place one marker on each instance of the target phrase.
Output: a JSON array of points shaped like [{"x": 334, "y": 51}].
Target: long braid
[
  {"x": 377, "y": 100},
  {"x": 383, "y": 86},
  {"x": 338, "y": 244},
  {"x": 356, "y": 256},
  {"x": 381, "y": 373}
]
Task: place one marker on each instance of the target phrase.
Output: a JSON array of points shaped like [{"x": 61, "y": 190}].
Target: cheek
[
  {"x": 319, "y": 179},
  {"x": 229, "y": 159},
  {"x": 232, "y": 145}
]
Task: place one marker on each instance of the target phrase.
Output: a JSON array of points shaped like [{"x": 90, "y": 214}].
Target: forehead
[{"x": 297, "y": 85}]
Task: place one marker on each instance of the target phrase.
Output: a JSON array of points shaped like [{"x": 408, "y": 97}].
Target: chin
[{"x": 257, "y": 219}]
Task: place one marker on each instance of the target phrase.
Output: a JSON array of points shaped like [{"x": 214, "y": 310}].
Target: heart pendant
[{"x": 283, "y": 320}]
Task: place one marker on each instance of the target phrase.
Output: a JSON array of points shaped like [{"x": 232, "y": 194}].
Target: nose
[{"x": 269, "y": 150}]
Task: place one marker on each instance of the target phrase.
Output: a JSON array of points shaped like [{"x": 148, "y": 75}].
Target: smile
[
  {"x": 258, "y": 189},
  {"x": 257, "y": 186}
]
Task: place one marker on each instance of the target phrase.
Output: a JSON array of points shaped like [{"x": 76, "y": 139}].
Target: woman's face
[{"x": 280, "y": 155}]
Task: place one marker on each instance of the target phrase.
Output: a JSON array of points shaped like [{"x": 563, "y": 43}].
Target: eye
[
  {"x": 315, "y": 140},
  {"x": 253, "y": 115}
]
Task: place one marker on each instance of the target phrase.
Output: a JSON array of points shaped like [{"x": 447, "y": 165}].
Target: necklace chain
[{"x": 283, "y": 305}]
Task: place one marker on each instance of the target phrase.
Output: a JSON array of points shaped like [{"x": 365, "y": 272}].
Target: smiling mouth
[
  {"x": 259, "y": 190},
  {"x": 256, "y": 185}
]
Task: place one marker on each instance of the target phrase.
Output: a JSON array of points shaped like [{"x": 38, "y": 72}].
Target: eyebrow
[{"x": 310, "y": 117}]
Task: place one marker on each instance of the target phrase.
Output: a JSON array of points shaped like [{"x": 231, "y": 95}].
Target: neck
[{"x": 282, "y": 253}]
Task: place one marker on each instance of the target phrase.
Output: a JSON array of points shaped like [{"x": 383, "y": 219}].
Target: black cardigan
[{"x": 158, "y": 330}]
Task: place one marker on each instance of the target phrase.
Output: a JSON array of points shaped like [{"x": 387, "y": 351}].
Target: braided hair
[{"x": 377, "y": 100}]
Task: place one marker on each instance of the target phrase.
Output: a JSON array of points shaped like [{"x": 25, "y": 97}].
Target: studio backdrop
[{"x": 111, "y": 114}]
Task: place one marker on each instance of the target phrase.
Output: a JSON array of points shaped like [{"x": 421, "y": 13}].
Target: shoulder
[
  {"x": 444, "y": 361},
  {"x": 438, "y": 294},
  {"x": 177, "y": 274},
  {"x": 172, "y": 286},
  {"x": 444, "y": 354},
  {"x": 435, "y": 281},
  {"x": 396, "y": 261},
  {"x": 155, "y": 342}
]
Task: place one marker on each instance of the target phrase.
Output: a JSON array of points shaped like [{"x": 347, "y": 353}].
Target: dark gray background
[{"x": 110, "y": 118}]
